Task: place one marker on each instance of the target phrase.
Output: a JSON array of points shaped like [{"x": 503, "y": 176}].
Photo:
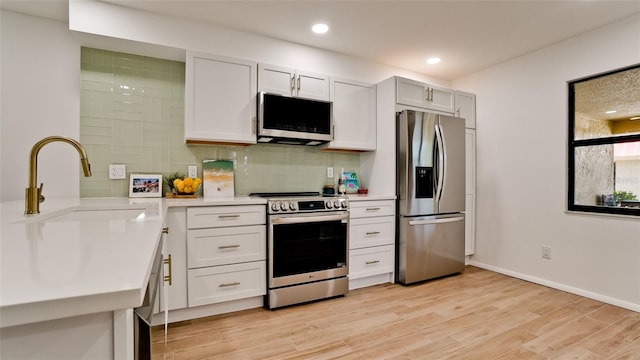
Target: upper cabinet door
[
  {"x": 354, "y": 115},
  {"x": 427, "y": 96},
  {"x": 291, "y": 82},
  {"x": 466, "y": 108},
  {"x": 276, "y": 79},
  {"x": 220, "y": 99},
  {"x": 312, "y": 85}
]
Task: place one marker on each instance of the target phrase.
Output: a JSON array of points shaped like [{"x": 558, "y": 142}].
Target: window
[{"x": 604, "y": 143}]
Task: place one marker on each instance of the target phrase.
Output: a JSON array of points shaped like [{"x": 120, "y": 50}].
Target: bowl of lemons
[{"x": 182, "y": 186}]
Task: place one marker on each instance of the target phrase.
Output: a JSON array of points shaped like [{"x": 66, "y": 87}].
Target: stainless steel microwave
[{"x": 294, "y": 121}]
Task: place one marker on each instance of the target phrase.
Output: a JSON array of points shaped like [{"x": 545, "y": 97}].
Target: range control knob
[
  {"x": 283, "y": 206},
  {"x": 344, "y": 204},
  {"x": 328, "y": 204},
  {"x": 336, "y": 204},
  {"x": 274, "y": 206},
  {"x": 292, "y": 206}
]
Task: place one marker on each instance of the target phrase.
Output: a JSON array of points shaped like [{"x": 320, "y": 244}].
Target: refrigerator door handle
[
  {"x": 441, "y": 153},
  {"x": 436, "y": 221}
]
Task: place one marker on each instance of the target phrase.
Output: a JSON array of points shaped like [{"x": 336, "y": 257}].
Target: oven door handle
[{"x": 306, "y": 219}]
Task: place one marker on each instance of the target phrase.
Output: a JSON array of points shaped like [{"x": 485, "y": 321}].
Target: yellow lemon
[
  {"x": 180, "y": 186},
  {"x": 188, "y": 181},
  {"x": 176, "y": 181},
  {"x": 188, "y": 189}
]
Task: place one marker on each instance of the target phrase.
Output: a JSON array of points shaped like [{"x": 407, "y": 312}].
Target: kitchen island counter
[
  {"x": 82, "y": 256},
  {"x": 78, "y": 256}
]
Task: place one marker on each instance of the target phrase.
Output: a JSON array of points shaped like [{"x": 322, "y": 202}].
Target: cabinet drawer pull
[
  {"x": 373, "y": 233},
  {"x": 370, "y": 262},
  {"x": 168, "y": 278},
  {"x": 228, "y": 246},
  {"x": 229, "y": 216},
  {"x": 229, "y": 284},
  {"x": 373, "y": 209}
]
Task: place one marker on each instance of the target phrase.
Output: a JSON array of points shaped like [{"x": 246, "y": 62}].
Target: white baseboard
[{"x": 570, "y": 289}]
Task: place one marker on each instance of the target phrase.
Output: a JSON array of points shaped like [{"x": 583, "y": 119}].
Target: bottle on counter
[{"x": 342, "y": 183}]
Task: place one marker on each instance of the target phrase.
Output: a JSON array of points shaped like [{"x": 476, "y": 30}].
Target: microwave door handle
[{"x": 304, "y": 219}]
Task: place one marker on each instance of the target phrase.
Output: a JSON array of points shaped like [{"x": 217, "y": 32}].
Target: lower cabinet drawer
[
  {"x": 224, "y": 246},
  {"x": 374, "y": 231},
  {"x": 370, "y": 261},
  {"x": 225, "y": 283}
]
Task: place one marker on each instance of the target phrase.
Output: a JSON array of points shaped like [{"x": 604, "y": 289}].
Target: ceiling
[{"x": 468, "y": 35}]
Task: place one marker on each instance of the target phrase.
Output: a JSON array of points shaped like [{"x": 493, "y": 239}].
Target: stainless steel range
[{"x": 307, "y": 246}]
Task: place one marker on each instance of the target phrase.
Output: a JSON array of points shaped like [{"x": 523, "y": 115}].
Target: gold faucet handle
[{"x": 40, "y": 196}]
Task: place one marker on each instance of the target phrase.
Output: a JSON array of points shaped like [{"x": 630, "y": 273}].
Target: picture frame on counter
[{"x": 145, "y": 185}]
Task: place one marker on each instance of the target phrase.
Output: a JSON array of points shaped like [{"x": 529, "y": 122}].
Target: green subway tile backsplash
[{"x": 132, "y": 113}]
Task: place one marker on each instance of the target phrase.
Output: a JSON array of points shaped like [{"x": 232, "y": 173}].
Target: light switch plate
[
  {"x": 330, "y": 172},
  {"x": 117, "y": 171},
  {"x": 192, "y": 171}
]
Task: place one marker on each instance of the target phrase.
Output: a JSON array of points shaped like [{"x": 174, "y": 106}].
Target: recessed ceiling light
[
  {"x": 320, "y": 28},
  {"x": 611, "y": 112},
  {"x": 433, "y": 60},
  {"x": 635, "y": 118}
]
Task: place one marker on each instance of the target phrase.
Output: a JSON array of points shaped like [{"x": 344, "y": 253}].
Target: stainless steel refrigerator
[{"x": 431, "y": 195}]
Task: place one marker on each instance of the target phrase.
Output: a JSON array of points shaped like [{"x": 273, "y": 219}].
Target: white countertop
[
  {"x": 84, "y": 256},
  {"x": 69, "y": 261}
]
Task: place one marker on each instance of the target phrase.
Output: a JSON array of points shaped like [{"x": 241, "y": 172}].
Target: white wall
[
  {"x": 40, "y": 97},
  {"x": 521, "y": 178}
]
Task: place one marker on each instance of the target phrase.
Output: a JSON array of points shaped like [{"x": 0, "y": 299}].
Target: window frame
[{"x": 574, "y": 144}]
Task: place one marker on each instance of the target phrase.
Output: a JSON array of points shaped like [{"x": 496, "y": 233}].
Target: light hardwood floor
[{"x": 476, "y": 315}]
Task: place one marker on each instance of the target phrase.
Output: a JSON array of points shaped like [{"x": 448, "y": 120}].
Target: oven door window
[{"x": 311, "y": 246}]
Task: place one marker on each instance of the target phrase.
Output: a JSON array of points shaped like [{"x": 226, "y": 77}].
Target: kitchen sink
[
  {"x": 90, "y": 213},
  {"x": 83, "y": 215}
]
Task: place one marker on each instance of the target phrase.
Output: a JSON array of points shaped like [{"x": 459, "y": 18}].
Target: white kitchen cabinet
[
  {"x": 218, "y": 284},
  {"x": 470, "y": 192},
  {"x": 225, "y": 216},
  {"x": 371, "y": 242},
  {"x": 354, "y": 115},
  {"x": 175, "y": 266},
  {"x": 228, "y": 245},
  {"x": 423, "y": 95},
  {"x": 292, "y": 82},
  {"x": 465, "y": 104},
  {"x": 226, "y": 252},
  {"x": 220, "y": 99}
]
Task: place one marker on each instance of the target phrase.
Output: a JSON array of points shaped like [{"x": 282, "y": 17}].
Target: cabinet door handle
[
  {"x": 458, "y": 112},
  {"x": 235, "y": 216},
  {"x": 168, "y": 278},
  {"x": 165, "y": 230},
  {"x": 293, "y": 83},
  {"x": 373, "y": 233},
  {"x": 228, "y": 246},
  {"x": 373, "y": 209},
  {"x": 298, "y": 82},
  {"x": 235, "y": 283},
  {"x": 371, "y": 262}
]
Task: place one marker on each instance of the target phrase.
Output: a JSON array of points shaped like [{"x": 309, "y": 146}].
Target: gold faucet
[{"x": 33, "y": 196}]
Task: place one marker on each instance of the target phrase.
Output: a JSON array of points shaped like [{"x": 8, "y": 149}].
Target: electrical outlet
[
  {"x": 117, "y": 171},
  {"x": 330, "y": 172},
  {"x": 546, "y": 252},
  {"x": 193, "y": 171}
]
